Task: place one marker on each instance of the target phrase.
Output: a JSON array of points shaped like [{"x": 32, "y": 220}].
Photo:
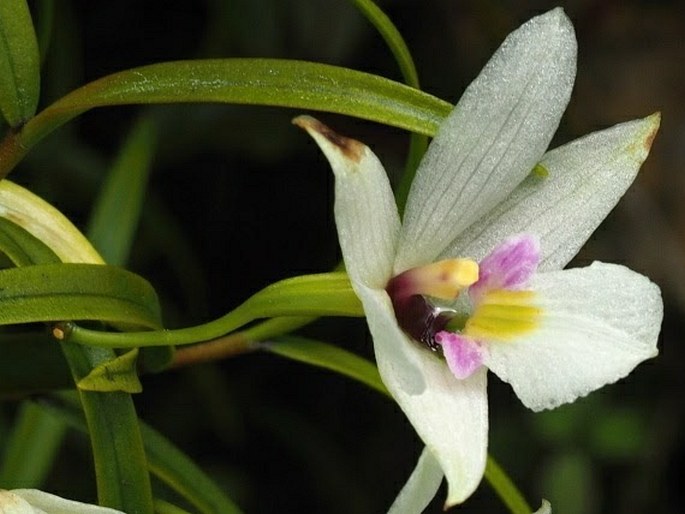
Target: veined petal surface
[
  {"x": 597, "y": 324},
  {"x": 495, "y": 135},
  {"x": 585, "y": 180},
  {"x": 365, "y": 210},
  {"x": 449, "y": 415}
]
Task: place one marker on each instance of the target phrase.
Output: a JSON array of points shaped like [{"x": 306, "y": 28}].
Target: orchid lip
[{"x": 410, "y": 291}]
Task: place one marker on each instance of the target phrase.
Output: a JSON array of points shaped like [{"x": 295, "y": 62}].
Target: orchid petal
[
  {"x": 463, "y": 355},
  {"x": 421, "y": 487},
  {"x": 365, "y": 210},
  {"x": 492, "y": 139},
  {"x": 450, "y": 415},
  {"x": 545, "y": 508},
  {"x": 11, "y": 503},
  {"x": 50, "y": 504},
  {"x": 586, "y": 179},
  {"x": 596, "y": 325},
  {"x": 508, "y": 266}
]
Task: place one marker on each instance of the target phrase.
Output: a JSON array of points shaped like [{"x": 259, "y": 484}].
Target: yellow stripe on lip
[{"x": 503, "y": 315}]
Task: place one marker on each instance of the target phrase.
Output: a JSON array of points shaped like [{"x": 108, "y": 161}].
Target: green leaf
[
  {"x": 19, "y": 63},
  {"x": 392, "y": 37},
  {"x": 275, "y": 82},
  {"x": 328, "y": 356},
  {"x": 44, "y": 26},
  {"x": 116, "y": 213},
  {"x": 323, "y": 294},
  {"x": 31, "y": 448},
  {"x": 55, "y": 292},
  {"x": 123, "y": 481},
  {"x": 181, "y": 474},
  {"x": 164, "y": 507},
  {"x": 505, "y": 488},
  {"x": 118, "y": 374},
  {"x": 167, "y": 463},
  {"x": 22, "y": 248}
]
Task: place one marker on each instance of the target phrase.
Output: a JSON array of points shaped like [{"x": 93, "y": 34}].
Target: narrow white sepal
[
  {"x": 365, "y": 210},
  {"x": 449, "y": 415},
  {"x": 492, "y": 139},
  {"x": 596, "y": 325},
  {"x": 586, "y": 179},
  {"x": 421, "y": 487}
]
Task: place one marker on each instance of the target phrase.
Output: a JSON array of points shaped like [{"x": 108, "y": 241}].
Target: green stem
[
  {"x": 324, "y": 294},
  {"x": 238, "y": 342},
  {"x": 505, "y": 488}
]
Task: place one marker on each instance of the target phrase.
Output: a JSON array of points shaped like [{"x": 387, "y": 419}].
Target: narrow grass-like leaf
[
  {"x": 44, "y": 26},
  {"x": 505, "y": 488},
  {"x": 164, "y": 507},
  {"x": 31, "y": 448},
  {"x": 321, "y": 294},
  {"x": 275, "y": 82},
  {"x": 121, "y": 474},
  {"x": 328, "y": 356},
  {"x": 116, "y": 213},
  {"x": 19, "y": 63},
  {"x": 54, "y": 292},
  {"x": 334, "y": 358},
  {"x": 392, "y": 37},
  {"x": 167, "y": 463},
  {"x": 182, "y": 475}
]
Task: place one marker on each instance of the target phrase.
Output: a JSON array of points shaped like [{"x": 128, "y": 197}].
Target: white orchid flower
[
  {"x": 34, "y": 501},
  {"x": 553, "y": 335}
]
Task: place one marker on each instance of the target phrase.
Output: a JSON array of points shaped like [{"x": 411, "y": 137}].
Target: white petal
[
  {"x": 52, "y": 504},
  {"x": 597, "y": 324},
  {"x": 421, "y": 487},
  {"x": 365, "y": 210},
  {"x": 546, "y": 508},
  {"x": 586, "y": 179},
  {"x": 449, "y": 415},
  {"x": 496, "y": 134},
  {"x": 11, "y": 503}
]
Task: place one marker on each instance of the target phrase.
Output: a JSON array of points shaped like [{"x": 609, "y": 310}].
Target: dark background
[{"x": 246, "y": 199}]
